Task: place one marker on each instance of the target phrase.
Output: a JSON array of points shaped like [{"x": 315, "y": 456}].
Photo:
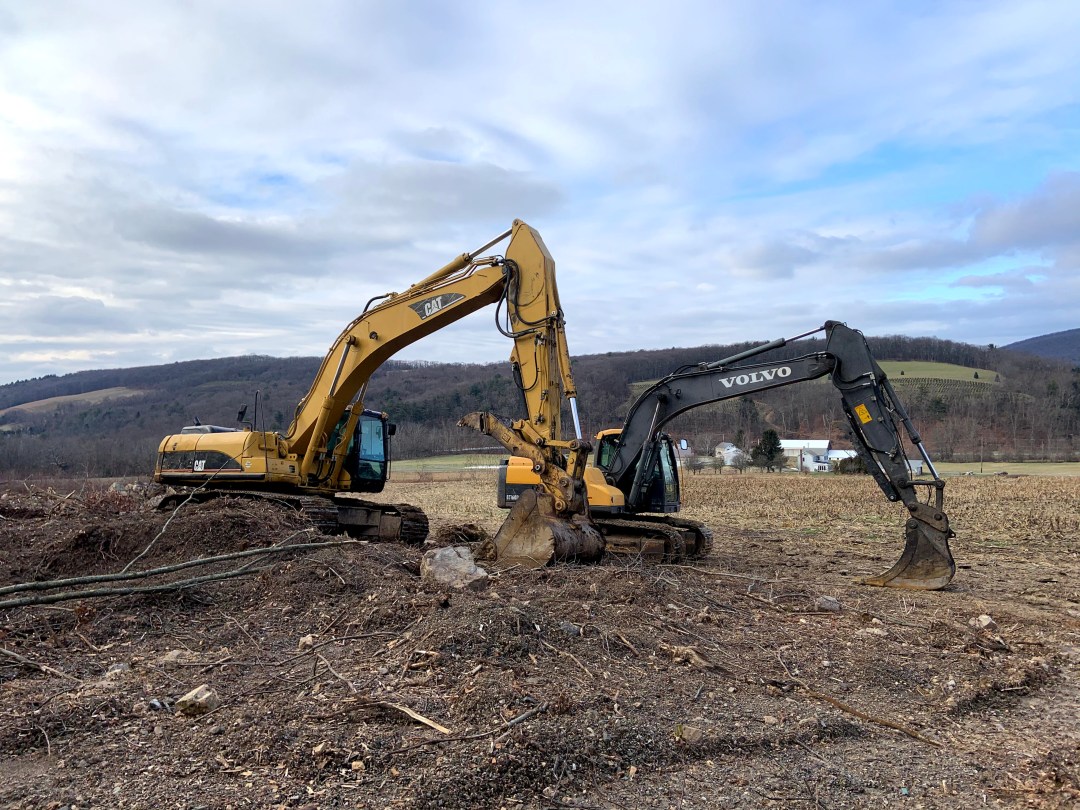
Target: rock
[
  {"x": 453, "y": 567},
  {"x": 689, "y": 734},
  {"x": 306, "y": 643},
  {"x": 830, "y": 603},
  {"x": 117, "y": 671},
  {"x": 867, "y": 632},
  {"x": 983, "y": 622},
  {"x": 175, "y": 658},
  {"x": 769, "y": 720},
  {"x": 570, "y": 628},
  {"x": 200, "y": 700}
]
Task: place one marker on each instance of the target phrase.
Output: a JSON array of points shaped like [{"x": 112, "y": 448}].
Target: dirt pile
[{"x": 757, "y": 677}]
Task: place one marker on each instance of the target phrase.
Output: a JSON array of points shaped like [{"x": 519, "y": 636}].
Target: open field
[
  {"x": 89, "y": 398},
  {"x": 472, "y": 465},
  {"x": 935, "y": 371},
  {"x": 727, "y": 681},
  {"x": 449, "y": 463},
  {"x": 1066, "y": 468}
]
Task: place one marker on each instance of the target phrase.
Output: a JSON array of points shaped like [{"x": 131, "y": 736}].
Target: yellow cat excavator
[
  {"x": 335, "y": 449},
  {"x": 634, "y": 472}
]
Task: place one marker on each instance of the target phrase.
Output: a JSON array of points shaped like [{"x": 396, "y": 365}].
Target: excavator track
[
  {"x": 414, "y": 524},
  {"x": 358, "y": 518},
  {"x": 319, "y": 511},
  {"x": 654, "y": 538},
  {"x": 698, "y": 536},
  {"x": 381, "y": 521}
]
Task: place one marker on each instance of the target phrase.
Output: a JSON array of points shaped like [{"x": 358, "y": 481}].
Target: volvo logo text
[{"x": 764, "y": 375}]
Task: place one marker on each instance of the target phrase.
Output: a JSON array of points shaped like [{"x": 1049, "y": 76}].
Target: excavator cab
[
  {"x": 367, "y": 456},
  {"x": 661, "y": 492},
  {"x": 659, "y": 486},
  {"x": 664, "y": 494}
]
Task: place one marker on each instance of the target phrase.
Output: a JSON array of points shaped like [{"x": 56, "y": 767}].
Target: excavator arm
[
  {"x": 878, "y": 423},
  {"x": 313, "y": 456},
  {"x": 876, "y": 415},
  {"x": 522, "y": 281}
]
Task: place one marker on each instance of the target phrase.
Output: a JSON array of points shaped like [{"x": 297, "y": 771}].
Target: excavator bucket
[
  {"x": 534, "y": 535},
  {"x": 926, "y": 564}
]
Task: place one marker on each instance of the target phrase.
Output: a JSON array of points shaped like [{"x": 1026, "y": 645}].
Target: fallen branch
[
  {"x": 521, "y": 718},
  {"x": 693, "y": 656},
  {"x": 48, "y": 493},
  {"x": 870, "y": 718},
  {"x": 26, "y": 662},
  {"x": 333, "y": 672},
  {"x": 157, "y": 537},
  {"x": 100, "y": 593},
  {"x": 419, "y": 718},
  {"x": 48, "y": 585},
  {"x": 571, "y": 656},
  {"x": 881, "y": 721},
  {"x": 629, "y": 646},
  {"x": 765, "y": 580}
]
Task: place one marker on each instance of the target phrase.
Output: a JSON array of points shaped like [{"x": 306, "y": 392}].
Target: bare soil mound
[{"x": 760, "y": 676}]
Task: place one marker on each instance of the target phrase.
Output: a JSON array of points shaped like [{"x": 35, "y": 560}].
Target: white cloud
[{"x": 244, "y": 176}]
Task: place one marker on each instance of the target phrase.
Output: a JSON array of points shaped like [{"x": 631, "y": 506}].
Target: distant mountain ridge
[{"x": 1055, "y": 346}]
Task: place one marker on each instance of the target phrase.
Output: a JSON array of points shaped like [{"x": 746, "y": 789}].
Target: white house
[
  {"x": 728, "y": 452},
  {"x": 807, "y": 455},
  {"x": 836, "y": 456}
]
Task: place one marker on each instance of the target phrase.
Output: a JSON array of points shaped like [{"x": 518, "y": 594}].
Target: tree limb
[{"x": 49, "y": 585}]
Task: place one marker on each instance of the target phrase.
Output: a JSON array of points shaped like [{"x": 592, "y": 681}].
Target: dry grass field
[{"x": 728, "y": 681}]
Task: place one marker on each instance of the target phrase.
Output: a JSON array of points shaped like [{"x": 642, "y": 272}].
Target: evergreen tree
[{"x": 768, "y": 453}]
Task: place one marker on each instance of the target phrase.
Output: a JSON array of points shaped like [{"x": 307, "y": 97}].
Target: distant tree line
[{"x": 1030, "y": 411}]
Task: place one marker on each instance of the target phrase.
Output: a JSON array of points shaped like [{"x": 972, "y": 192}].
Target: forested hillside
[
  {"x": 1030, "y": 409},
  {"x": 1057, "y": 346}
]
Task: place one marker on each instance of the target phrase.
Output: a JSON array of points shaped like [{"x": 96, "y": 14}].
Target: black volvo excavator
[{"x": 634, "y": 473}]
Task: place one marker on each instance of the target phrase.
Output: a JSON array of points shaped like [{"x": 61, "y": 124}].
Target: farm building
[
  {"x": 817, "y": 455},
  {"x": 807, "y": 455},
  {"x": 728, "y": 452}
]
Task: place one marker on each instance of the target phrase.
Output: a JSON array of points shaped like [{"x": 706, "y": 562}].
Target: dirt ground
[{"x": 730, "y": 681}]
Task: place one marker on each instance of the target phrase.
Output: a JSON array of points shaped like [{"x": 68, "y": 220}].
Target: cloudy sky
[{"x": 183, "y": 180}]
